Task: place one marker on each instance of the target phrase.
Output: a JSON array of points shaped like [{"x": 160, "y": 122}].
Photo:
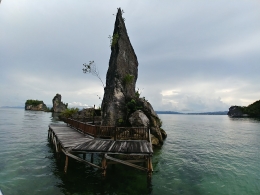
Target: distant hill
[
  {"x": 167, "y": 112},
  {"x": 211, "y": 113},
  {"x": 199, "y": 113},
  {"x": 20, "y": 107}
]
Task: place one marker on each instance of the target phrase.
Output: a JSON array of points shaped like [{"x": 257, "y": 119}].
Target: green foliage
[
  {"x": 113, "y": 39},
  {"x": 132, "y": 106},
  {"x": 69, "y": 112},
  {"x": 121, "y": 122},
  {"x": 253, "y": 109},
  {"x": 137, "y": 93},
  {"x": 33, "y": 102},
  {"x": 128, "y": 79}
]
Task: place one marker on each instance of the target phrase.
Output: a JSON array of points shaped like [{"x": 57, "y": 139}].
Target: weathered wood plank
[
  {"x": 69, "y": 137},
  {"x": 132, "y": 147},
  {"x": 80, "y": 159},
  {"x": 97, "y": 145},
  {"x": 125, "y": 163}
]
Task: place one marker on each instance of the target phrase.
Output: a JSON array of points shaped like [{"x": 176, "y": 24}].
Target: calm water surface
[{"x": 202, "y": 155}]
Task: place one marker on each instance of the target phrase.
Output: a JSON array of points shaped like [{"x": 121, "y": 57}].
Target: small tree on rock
[{"x": 92, "y": 68}]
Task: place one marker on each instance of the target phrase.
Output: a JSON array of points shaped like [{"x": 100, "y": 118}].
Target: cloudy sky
[{"x": 194, "y": 56}]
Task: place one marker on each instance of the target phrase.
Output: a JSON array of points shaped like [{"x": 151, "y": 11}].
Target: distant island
[
  {"x": 35, "y": 105},
  {"x": 199, "y": 113},
  {"x": 20, "y": 107},
  {"x": 252, "y": 110},
  {"x": 38, "y": 105}
]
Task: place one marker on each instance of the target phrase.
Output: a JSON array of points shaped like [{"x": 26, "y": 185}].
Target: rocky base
[
  {"x": 40, "y": 107},
  {"x": 236, "y": 111}
]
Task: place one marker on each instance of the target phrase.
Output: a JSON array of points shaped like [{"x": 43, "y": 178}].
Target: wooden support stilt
[
  {"x": 66, "y": 164},
  {"x": 91, "y": 160},
  {"x": 55, "y": 144},
  {"x": 59, "y": 150},
  {"x": 104, "y": 166},
  {"x": 150, "y": 169},
  {"x": 52, "y": 135},
  {"x": 84, "y": 156}
]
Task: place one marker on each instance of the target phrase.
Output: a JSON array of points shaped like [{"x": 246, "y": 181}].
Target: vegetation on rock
[
  {"x": 33, "y": 102},
  {"x": 113, "y": 39},
  {"x": 252, "y": 110},
  {"x": 36, "y": 105},
  {"x": 69, "y": 112}
]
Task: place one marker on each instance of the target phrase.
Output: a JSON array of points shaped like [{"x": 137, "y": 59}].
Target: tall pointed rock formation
[{"x": 121, "y": 75}]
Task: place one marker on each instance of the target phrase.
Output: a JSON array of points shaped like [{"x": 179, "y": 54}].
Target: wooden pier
[{"x": 76, "y": 137}]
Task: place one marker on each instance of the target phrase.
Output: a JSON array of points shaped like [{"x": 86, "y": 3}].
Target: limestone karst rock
[
  {"x": 235, "y": 111},
  {"x": 58, "y": 105},
  {"x": 121, "y": 105},
  {"x": 139, "y": 119},
  {"x": 121, "y": 75}
]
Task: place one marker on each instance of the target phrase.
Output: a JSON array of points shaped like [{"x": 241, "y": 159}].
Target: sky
[{"x": 194, "y": 56}]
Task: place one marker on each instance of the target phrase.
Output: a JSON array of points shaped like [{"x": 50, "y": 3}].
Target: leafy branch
[{"x": 92, "y": 68}]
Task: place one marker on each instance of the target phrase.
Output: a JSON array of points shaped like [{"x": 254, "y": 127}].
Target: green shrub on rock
[{"x": 69, "y": 112}]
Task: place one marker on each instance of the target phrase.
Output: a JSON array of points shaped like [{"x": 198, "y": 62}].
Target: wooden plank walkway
[
  {"x": 67, "y": 136},
  {"x": 71, "y": 141}
]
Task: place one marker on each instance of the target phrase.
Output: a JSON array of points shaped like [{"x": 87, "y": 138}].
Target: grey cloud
[{"x": 209, "y": 50}]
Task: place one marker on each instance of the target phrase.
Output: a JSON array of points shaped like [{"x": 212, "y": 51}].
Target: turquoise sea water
[{"x": 202, "y": 155}]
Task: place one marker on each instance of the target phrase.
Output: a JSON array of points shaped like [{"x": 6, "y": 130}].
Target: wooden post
[
  {"x": 149, "y": 167},
  {"x": 66, "y": 164},
  {"x": 91, "y": 160},
  {"x": 104, "y": 165},
  {"x": 59, "y": 150},
  {"x": 84, "y": 131},
  {"x": 53, "y": 136},
  {"x": 94, "y": 115},
  {"x": 55, "y": 143},
  {"x": 84, "y": 156},
  {"x": 115, "y": 133}
]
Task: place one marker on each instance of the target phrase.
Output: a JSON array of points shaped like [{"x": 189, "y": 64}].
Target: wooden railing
[{"x": 116, "y": 133}]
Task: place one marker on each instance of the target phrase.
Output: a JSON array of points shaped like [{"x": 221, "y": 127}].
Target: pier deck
[{"x": 72, "y": 140}]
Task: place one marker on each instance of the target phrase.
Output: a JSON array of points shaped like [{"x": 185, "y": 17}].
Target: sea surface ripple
[{"x": 202, "y": 154}]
